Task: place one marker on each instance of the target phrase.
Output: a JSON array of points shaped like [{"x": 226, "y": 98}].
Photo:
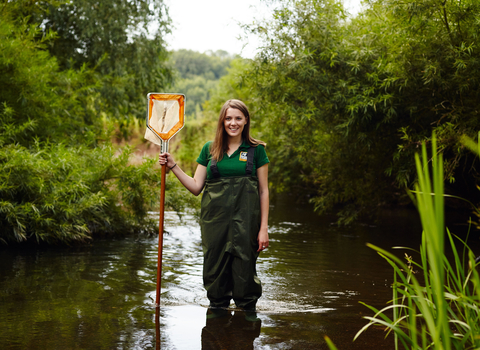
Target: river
[{"x": 101, "y": 296}]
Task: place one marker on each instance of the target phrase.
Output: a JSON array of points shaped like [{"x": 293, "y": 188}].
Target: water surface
[{"x": 102, "y": 296}]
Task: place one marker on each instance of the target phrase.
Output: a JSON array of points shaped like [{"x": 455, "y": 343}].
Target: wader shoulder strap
[
  {"x": 248, "y": 170},
  {"x": 250, "y": 154},
  {"x": 214, "y": 169}
]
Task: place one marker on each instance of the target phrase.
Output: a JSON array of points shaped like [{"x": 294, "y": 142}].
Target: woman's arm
[
  {"x": 262, "y": 174},
  {"x": 194, "y": 184}
]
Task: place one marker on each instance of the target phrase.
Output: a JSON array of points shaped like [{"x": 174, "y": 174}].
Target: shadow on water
[{"x": 102, "y": 296}]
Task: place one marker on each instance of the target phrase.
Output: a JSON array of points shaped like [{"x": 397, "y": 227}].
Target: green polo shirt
[{"x": 234, "y": 165}]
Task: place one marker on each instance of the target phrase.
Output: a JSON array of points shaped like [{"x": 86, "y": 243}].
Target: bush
[
  {"x": 61, "y": 180},
  {"x": 443, "y": 313}
]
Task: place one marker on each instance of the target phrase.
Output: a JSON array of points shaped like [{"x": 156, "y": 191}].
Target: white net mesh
[{"x": 164, "y": 116}]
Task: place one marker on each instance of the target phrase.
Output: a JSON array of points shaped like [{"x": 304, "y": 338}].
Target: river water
[{"x": 101, "y": 296}]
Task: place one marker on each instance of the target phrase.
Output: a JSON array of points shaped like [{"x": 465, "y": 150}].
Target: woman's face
[{"x": 234, "y": 122}]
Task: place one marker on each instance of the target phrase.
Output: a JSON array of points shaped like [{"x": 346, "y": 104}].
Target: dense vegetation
[
  {"x": 114, "y": 37},
  {"x": 439, "y": 309},
  {"x": 61, "y": 180},
  {"x": 344, "y": 103}
]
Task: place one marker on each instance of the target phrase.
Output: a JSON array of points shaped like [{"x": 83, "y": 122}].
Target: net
[{"x": 165, "y": 116}]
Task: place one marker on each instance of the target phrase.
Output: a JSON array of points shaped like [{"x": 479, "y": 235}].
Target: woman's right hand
[{"x": 166, "y": 158}]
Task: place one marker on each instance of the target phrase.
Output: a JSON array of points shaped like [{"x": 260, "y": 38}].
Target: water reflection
[
  {"x": 157, "y": 328},
  {"x": 226, "y": 329},
  {"x": 77, "y": 298},
  {"x": 102, "y": 296}
]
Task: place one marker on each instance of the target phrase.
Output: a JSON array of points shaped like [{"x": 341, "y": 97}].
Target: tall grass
[{"x": 442, "y": 312}]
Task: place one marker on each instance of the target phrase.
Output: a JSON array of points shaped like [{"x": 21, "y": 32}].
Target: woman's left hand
[{"x": 262, "y": 240}]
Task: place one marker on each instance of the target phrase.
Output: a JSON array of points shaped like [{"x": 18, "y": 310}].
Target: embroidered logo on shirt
[{"x": 243, "y": 156}]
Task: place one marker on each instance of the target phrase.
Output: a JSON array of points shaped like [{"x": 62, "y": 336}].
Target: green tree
[
  {"x": 123, "y": 40},
  {"x": 60, "y": 178},
  {"x": 345, "y": 102},
  {"x": 38, "y": 101},
  {"x": 210, "y": 65}
]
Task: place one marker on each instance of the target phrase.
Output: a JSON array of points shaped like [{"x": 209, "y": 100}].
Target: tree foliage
[
  {"x": 345, "y": 102},
  {"x": 123, "y": 40},
  {"x": 60, "y": 178},
  {"x": 210, "y": 65}
]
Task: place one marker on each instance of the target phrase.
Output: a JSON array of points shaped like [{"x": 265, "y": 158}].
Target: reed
[{"x": 443, "y": 311}]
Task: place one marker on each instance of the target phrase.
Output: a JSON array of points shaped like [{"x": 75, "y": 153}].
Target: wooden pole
[{"x": 160, "y": 234}]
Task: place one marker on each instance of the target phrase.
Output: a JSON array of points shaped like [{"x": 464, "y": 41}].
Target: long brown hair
[{"x": 220, "y": 144}]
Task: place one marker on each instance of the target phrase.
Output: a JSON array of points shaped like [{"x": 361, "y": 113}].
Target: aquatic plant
[{"x": 442, "y": 311}]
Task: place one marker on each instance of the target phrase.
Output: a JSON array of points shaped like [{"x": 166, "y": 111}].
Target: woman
[{"x": 234, "y": 217}]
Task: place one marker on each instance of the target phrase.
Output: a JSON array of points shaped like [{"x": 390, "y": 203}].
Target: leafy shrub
[
  {"x": 444, "y": 312},
  {"x": 61, "y": 180}
]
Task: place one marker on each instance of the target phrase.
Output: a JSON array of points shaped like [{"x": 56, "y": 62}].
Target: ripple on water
[{"x": 101, "y": 296}]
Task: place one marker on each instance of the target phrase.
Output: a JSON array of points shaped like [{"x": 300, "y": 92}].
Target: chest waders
[{"x": 230, "y": 222}]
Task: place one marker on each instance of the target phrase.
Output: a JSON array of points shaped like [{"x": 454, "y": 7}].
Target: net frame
[{"x": 157, "y": 96}]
